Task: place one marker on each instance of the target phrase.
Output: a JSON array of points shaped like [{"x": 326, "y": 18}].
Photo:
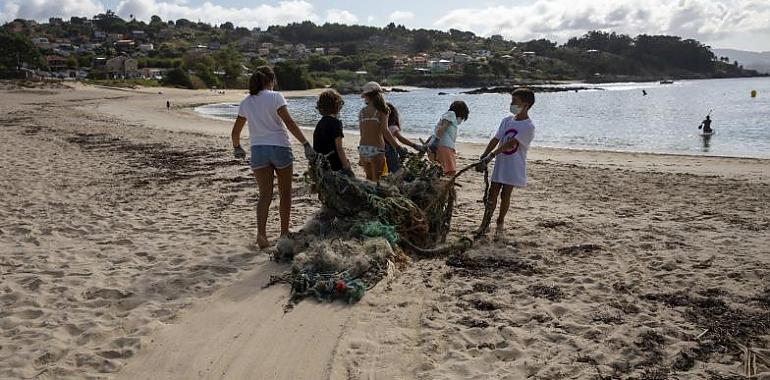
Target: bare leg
[
  {"x": 494, "y": 191},
  {"x": 505, "y": 203},
  {"x": 366, "y": 164},
  {"x": 264, "y": 178},
  {"x": 377, "y": 164},
  {"x": 285, "y": 177}
]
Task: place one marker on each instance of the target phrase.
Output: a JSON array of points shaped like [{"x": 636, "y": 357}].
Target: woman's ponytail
[{"x": 261, "y": 79}]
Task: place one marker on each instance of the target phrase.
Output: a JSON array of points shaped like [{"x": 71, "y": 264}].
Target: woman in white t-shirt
[{"x": 269, "y": 123}]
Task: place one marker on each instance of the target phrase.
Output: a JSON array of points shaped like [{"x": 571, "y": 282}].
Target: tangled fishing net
[{"x": 365, "y": 230}]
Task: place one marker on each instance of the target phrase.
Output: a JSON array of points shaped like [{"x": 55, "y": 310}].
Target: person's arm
[
  {"x": 235, "y": 135},
  {"x": 405, "y": 140},
  {"x": 283, "y": 113},
  {"x": 386, "y": 132},
  {"x": 492, "y": 144},
  {"x": 341, "y": 153},
  {"x": 508, "y": 145}
]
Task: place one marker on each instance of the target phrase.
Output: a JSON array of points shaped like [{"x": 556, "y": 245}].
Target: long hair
[
  {"x": 263, "y": 76},
  {"x": 393, "y": 118},
  {"x": 377, "y": 101}
]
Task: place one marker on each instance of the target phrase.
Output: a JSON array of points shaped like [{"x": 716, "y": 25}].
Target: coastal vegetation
[{"x": 199, "y": 55}]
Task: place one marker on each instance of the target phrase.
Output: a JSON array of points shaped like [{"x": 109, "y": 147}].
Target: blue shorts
[{"x": 263, "y": 156}]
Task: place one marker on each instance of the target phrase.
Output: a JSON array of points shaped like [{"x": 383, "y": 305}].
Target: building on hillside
[
  {"x": 153, "y": 73},
  {"x": 215, "y": 45},
  {"x": 483, "y": 53},
  {"x": 56, "y": 21},
  {"x": 528, "y": 54},
  {"x": 56, "y": 62},
  {"x": 264, "y": 52},
  {"x": 124, "y": 46},
  {"x": 138, "y": 34},
  {"x": 440, "y": 65},
  {"x": 100, "y": 36},
  {"x": 420, "y": 61},
  {"x": 288, "y": 46},
  {"x": 41, "y": 42},
  {"x": 122, "y": 67},
  {"x": 593, "y": 52},
  {"x": 319, "y": 50},
  {"x": 300, "y": 47},
  {"x": 333, "y": 50},
  {"x": 461, "y": 58},
  {"x": 198, "y": 49},
  {"x": 399, "y": 63},
  {"x": 146, "y": 48},
  {"x": 447, "y": 54},
  {"x": 266, "y": 45},
  {"x": 115, "y": 36}
]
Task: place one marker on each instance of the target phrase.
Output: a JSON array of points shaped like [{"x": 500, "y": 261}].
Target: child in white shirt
[{"x": 509, "y": 149}]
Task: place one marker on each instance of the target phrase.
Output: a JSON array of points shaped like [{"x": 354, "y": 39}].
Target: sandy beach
[{"x": 127, "y": 251}]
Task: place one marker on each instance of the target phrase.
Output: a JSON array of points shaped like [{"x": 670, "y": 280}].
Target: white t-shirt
[
  {"x": 511, "y": 166},
  {"x": 261, "y": 113}
]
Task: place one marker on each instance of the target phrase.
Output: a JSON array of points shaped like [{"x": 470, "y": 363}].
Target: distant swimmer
[
  {"x": 644, "y": 93},
  {"x": 706, "y": 125}
]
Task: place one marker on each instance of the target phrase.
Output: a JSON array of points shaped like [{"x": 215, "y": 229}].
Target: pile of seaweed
[{"x": 365, "y": 230}]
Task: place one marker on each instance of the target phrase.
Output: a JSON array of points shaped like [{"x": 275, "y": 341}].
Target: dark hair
[
  {"x": 329, "y": 102},
  {"x": 393, "y": 118},
  {"x": 261, "y": 78},
  {"x": 460, "y": 109},
  {"x": 377, "y": 101},
  {"x": 525, "y": 94}
]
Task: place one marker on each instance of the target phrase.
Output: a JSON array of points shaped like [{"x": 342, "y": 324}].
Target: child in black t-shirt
[{"x": 327, "y": 137}]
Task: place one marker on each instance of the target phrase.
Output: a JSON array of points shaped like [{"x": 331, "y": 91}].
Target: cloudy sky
[{"x": 740, "y": 24}]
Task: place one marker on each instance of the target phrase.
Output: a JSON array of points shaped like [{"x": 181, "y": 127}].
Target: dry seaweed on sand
[
  {"x": 364, "y": 228},
  {"x": 726, "y": 328}
]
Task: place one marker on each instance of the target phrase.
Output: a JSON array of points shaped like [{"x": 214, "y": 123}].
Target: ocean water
[{"x": 617, "y": 117}]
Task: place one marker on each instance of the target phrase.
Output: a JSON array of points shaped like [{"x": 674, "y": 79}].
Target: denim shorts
[{"x": 263, "y": 156}]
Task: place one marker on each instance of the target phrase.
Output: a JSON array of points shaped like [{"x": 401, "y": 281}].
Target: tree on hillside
[
  {"x": 470, "y": 72},
  {"x": 319, "y": 63},
  {"x": 178, "y": 78},
  {"x": 422, "y": 41},
  {"x": 603, "y": 41},
  {"x": 290, "y": 76},
  {"x": 541, "y": 46},
  {"x": 15, "y": 50},
  {"x": 110, "y": 22}
]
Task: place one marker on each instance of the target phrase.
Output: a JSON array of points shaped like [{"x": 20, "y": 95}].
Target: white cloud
[
  {"x": 561, "y": 19},
  {"x": 401, "y": 16},
  {"x": 43, "y": 9},
  {"x": 261, "y": 15},
  {"x": 340, "y": 16}
]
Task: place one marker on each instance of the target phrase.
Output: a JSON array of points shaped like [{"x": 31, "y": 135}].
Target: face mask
[{"x": 515, "y": 109}]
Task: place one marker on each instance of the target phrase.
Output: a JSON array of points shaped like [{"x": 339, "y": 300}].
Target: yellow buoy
[{"x": 753, "y": 93}]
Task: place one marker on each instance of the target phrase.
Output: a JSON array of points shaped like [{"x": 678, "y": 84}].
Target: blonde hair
[{"x": 377, "y": 101}]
